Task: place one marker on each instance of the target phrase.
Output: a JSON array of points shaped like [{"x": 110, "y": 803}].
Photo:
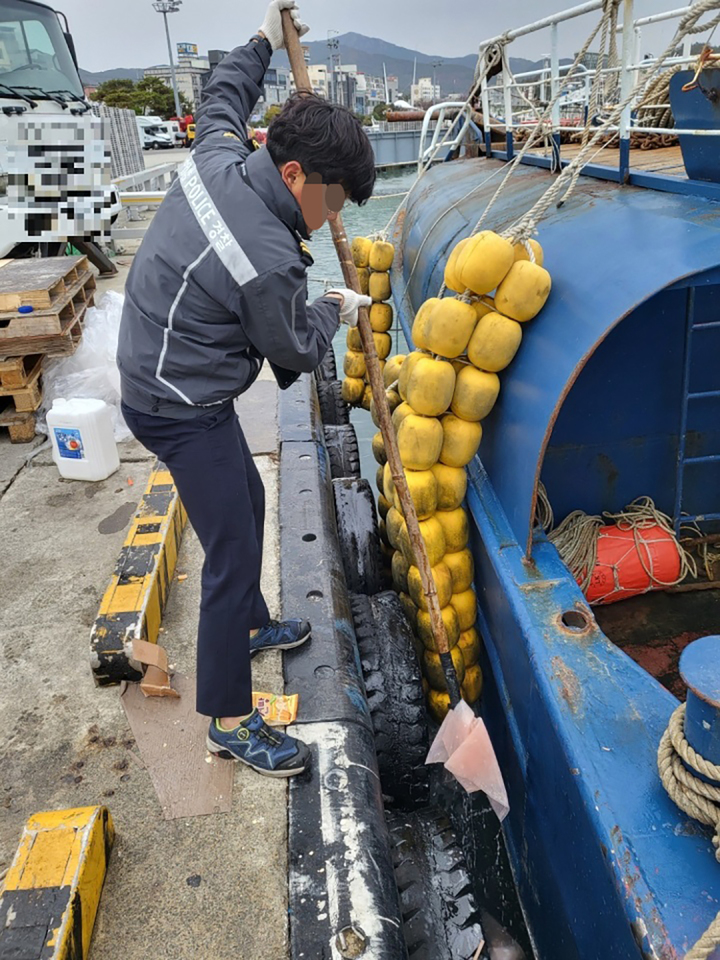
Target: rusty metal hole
[
  {"x": 351, "y": 942},
  {"x": 575, "y": 620}
]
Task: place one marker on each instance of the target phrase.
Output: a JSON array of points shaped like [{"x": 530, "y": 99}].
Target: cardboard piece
[
  {"x": 171, "y": 739},
  {"x": 156, "y": 681}
]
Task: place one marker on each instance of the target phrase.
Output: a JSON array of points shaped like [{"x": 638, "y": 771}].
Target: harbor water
[{"x": 359, "y": 222}]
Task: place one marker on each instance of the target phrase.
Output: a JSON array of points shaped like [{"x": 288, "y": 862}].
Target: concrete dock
[{"x": 203, "y": 888}]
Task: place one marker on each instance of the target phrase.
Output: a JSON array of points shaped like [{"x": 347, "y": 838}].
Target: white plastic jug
[{"x": 82, "y": 438}]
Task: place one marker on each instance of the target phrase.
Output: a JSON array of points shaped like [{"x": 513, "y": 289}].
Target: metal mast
[{"x": 165, "y": 7}]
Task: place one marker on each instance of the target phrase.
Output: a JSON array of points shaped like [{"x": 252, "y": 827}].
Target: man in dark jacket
[{"x": 218, "y": 287}]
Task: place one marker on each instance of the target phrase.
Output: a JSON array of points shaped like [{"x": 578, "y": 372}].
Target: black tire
[
  {"x": 328, "y": 368},
  {"x": 343, "y": 451},
  {"x": 393, "y": 683},
  {"x": 333, "y": 408},
  {"x": 440, "y": 916},
  {"x": 357, "y": 528}
]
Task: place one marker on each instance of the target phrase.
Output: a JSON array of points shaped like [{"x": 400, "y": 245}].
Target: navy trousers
[{"x": 223, "y": 494}]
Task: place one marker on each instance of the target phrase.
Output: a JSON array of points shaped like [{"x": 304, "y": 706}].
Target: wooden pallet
[
  {"x": 18, "y": 372},
  {"x": 46, "y": 331},
  {"x": 28, "y": 397},
  {"x": 21, "y": 425},
  {"x": 38, "y": 283}
]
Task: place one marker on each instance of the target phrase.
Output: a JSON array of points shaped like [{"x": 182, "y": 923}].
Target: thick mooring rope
[
  {"x": 696, "y": 798},
  {"x": 568, "y": 178}
]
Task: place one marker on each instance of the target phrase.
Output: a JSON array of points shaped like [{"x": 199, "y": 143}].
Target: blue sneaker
[
  {"x": 280, "y": 635},
  {"x": 268, "y": 751}
]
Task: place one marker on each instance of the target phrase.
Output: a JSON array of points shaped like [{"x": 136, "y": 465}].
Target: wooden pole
[{"x": 342, "y": 247}]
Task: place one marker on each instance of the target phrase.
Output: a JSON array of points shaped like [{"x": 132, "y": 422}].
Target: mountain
[
  {"x": 91, "y": 79},
  {"x": 454, "y": 74}
]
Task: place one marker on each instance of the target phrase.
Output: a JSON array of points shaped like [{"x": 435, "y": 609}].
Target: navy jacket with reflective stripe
[{"x": 219, "y": 282}]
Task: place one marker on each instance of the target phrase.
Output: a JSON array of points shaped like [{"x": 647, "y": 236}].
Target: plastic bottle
[{"x": 82, "y": 438}]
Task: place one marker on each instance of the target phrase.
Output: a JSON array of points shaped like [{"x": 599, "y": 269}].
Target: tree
[
  {"x": 116, "y": 93},
  {"x": 380, "y": 110},
  {"x": 270, "y": 114},
  {"x": 154, "y": 97},
  {"x": 150, "y": 95}
]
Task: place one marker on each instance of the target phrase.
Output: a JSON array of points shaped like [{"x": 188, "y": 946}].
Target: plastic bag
[{"x": 91, "y": 372}]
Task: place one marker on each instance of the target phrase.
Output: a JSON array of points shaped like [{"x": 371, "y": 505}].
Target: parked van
[
  {"x": 172, "y": 127},
  {"x": 153, "y": 135}
]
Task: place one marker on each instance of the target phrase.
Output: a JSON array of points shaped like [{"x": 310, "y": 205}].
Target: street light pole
[
  {"x": 436, "y": 64},
  {"x": 165, "y": 7}
]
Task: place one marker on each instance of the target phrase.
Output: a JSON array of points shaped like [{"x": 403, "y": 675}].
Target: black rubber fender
[
  {"x": 358, "y": 536},
  {"x": 333, "y": 408},
  {"x": 328, "y": 367},
  {"x": 441, "y": 919},
  {"x": 343, "y": 451},
  {"x": 393, "y": 683}
]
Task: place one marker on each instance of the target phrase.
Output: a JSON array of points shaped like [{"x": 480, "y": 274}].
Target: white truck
[{"x": 55, "y": 180}]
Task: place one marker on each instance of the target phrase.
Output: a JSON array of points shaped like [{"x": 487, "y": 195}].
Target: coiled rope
[
  {"x": 576, "y": 540},
  {"x": 695, "y": 797}
]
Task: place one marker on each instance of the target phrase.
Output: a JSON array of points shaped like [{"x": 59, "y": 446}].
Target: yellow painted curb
[
  {"x": 133, "y": 604},
  {"x": 52, "y": 889}
]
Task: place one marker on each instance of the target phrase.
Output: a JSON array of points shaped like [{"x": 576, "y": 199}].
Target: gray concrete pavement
[{"x": 67, "y": 743}]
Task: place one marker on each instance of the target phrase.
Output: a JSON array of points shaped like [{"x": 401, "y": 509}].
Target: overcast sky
[{"x": 128, "y": 33}]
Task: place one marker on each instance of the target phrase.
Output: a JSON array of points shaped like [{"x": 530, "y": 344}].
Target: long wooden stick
[{"x": 342, "y": 247}]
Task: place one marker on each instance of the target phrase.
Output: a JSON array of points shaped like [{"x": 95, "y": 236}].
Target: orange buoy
[{"x": 633, "y": 561}]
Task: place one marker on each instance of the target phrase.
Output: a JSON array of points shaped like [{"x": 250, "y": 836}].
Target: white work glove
[
  {"x": 351, "y": 304},
  {"x": 272, "y": 26}
]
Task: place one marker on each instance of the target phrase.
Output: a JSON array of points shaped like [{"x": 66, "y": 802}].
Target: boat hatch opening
[{"x": 638, "y": 421}]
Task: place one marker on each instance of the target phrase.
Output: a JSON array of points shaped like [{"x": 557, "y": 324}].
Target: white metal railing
[
  {"x": 507, "y": 114},
  {"x": 152, "y": 178},
  {"x": 463, "y": 120}
]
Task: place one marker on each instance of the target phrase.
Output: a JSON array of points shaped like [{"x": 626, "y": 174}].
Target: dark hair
[{"x": 324, "y": 138}]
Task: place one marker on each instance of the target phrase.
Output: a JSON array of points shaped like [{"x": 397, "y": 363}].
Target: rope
[
  {"x": 534, "y": 134},
  {"x": 488, "y": 58},
  {"x": 658, "y": 91},
  {"x": 695, "y": 797},
  {"x": 689, "y": 24},
  {"x": 544, "y": 515},
  {"x": 576, "y": 540},
  {"x": 609, "y": 24}
]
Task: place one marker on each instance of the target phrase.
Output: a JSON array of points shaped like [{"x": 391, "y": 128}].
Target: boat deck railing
[{"x": 507, "y": 103}]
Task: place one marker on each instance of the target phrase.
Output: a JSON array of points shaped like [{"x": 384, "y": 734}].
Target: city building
[
  {"x": 377, "y": 92},
  {"x": 189, "y": 71},
  {"x": 276, "y": 87},
  {"x": 318, "y": 73},
  {"x": 424, "y": 91}
]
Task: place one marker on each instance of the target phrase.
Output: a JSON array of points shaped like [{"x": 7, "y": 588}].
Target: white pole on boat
[
  {"x": 554, "y": 77},
  {"x": 637, "y": 53},
  {"x": 687, "y": 41},
  {"x": 507, "y": 90},
  {"x": 626, "y": 86},
  {"x": 485, "y": 98}
]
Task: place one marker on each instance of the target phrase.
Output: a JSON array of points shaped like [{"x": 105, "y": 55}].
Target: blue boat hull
[{"x": 606, "y": 865}]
